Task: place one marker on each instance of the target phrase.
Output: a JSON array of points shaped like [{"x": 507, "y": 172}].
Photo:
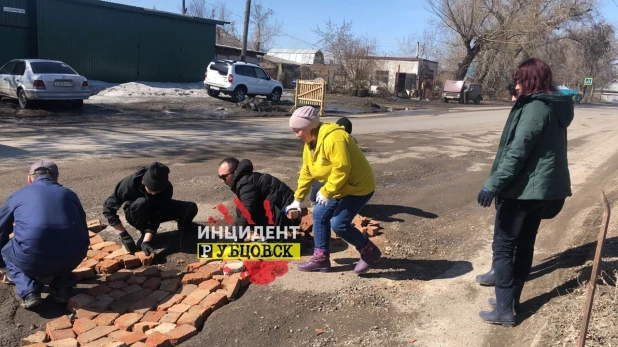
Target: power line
[{"x": 253, "y": 22}]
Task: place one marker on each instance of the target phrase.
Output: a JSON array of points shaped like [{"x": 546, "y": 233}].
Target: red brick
[
  {"x": 179, "y": 308},
  {"x": 108, "y": 266},
  {"x": 210, "y": 270},
  {"x": 117, "y": 253},
  {"x": 117, "y": 294},
  {"x": 111, "y": 248},
  {"x": 244, "y": 279},
  {"x": 84, "y": 313},
  {"x": 91, "y": 234},
  {"x": 170, "y": 285},
  {"x": 89, "y": 263},
  {"x": 171, "y": 274},
  {"x": 106, "y": 318},
  {"x": 38, "y": 344},
  {"x": 127, "y": 320},
  {"x": 122, "y": 305},
  {"x": 158, "y": 295},
  {"x": 116, "y": 284},
  {"x": 94, "y": 226},
  {"x": 139, "y": 344},
  {"x": 102, "y": 245},
  {"x": 149, "y": 302},
  {"x": 146, "y": 260},
  {"x": 373, "y": 230},
  {"x": 132, "y": 338},
  {"x": 91, "y": 253},
  {"x": 38, "y": 337},
  {"x": 196, "y": 297},
  {"x": 194, "y": 266},
  {"x": 170, "y": 317},
  {"x": 201, "y": 311},
  {"x": 96, "y": 239},
  {"x": 99, "y": 289},
  {"x": 99, "y": 257},
  {"x": 210, "y": 285},
  {"x": 104, "y": 342},
  {"x": 83, "y": 273},
  {"x": 118, "y": 334},
  {"x": 219, "y": 277},
  {"x": 170, "y": 301},
  {"x": 195, "y": 278},
  {"x": 137, "y": 280},
  {"x": 152, "y": 283},
  {"x": 64, "y": 343},
  {"x": 150, "y": 271},
  {"x": 157, "y": 339},
  {"x": 122, "y": 275},
  {"x": 231, "y": 285},
  {"x": 162, "y": 328},
  {"x": 61, "y": 334},
  {"x": 129, "y": 262},
  {"x": 193, "y": 319},
  {"x": 186, "y": 289},
  {"x": 214, "y": 300},
  {"x": 82, "y": 325},
  {"x": 95, "y": 334},
  {"x": 181, "y": 334},
  {"x": 145, "y": 326},
  {"x": 132, "y": 288},
  {"x": 101, "y": 303},
  {"x": 152, "y": 316},
  {"x": 58, "y": 324}
]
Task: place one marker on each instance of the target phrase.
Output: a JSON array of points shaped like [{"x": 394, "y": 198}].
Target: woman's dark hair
[{"x": 533, "y": 75}]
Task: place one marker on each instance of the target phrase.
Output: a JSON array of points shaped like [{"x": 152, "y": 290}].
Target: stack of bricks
[
  {"x": 143, "y": 308},
  {"x": 367, "y": 226},
  {"x": 138, "y": 305}
]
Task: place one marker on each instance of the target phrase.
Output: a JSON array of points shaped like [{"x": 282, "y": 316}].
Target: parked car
[
  {"x": 463, "y": 92},
  {"x": 37, "y": 79},
  {"x": 238, "y": 79}
]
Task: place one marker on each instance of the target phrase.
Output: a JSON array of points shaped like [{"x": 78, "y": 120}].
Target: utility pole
[
  {"x": 243, "y": 55},
  {"x": 184, "y": 8}
]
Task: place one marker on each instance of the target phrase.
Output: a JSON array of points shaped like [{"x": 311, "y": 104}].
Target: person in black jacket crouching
[
  {"x": 148, "y": 196},
  {"x": 252, "y": 189}
]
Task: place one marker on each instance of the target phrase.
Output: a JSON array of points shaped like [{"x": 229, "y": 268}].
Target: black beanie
[
  {"x": 346, "y": 124},
  {"x": 156, "y": 177}
]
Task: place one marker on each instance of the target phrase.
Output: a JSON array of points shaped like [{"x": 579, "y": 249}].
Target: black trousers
[
  {"x": 515, "y": 230},
  {"x": 142, "y": 216}
]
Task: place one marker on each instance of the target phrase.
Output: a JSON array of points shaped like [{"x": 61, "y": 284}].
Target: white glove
[
  {"x": 295, "y": 205},
  {"x": 321, "y": 200}
]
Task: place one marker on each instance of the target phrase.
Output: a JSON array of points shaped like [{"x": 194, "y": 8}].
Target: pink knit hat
[{"x": 305, "y": 117}]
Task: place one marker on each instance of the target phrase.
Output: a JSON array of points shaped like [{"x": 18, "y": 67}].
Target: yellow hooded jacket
[{"x": 337, "y": 163}]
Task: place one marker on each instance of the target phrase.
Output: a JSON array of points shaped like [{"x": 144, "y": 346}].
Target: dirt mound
[{"x": 263, "y": 105}]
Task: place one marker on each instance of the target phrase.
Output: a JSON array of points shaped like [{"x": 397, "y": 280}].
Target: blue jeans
[
  {"x": 315, "y": 187},
  {"x": 338, "y": 215}
]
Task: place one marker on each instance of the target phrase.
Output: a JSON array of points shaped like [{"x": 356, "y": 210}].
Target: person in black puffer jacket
[{"x": 252, "y": 189}]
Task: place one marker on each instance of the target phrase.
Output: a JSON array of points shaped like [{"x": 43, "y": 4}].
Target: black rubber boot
[
  {"x": 32, "y": 300},
  {"x": 518, "y": 286},
  {"x": 487, "y": 279},
  {"x": 503, "y": 312}
]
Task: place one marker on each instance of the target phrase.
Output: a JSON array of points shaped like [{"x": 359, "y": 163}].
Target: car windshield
[{"x": 52, "y": 68}]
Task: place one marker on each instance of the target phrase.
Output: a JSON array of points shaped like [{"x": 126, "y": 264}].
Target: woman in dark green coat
[{"x": 530, "y": 175}]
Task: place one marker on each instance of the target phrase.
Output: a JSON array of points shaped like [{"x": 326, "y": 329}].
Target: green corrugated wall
[
  {"x": 17, "y": 36},
  {"x": 109, "y": 42}
]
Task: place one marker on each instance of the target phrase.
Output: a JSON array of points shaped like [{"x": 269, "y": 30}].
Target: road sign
[{"x": 588, "y": 81}]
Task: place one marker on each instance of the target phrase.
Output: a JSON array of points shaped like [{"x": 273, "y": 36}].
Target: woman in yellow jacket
[{"x": 333, "y": 158}]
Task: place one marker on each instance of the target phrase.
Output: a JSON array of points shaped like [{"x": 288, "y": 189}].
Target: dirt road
[{"x": 429, "y": 167}]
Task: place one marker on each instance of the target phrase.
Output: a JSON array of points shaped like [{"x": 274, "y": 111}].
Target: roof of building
[
  {"x": 293, "y": 51},
  {"x": 278, "y": 60},
  {"x": 226, "y": 47},
  {"x": 401, "y": 59},
  {"x": 149, "y": 11}
]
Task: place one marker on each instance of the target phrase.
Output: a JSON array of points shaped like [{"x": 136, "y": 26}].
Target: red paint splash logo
[{"x": 265, "y": 271}]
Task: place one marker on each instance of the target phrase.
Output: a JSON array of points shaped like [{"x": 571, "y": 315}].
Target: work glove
[
  {"x": 485, "y": 197},
  {"x": 147, "y": 248},
  {"x": 321, "y": 200},
  {"x": 295, "y": 205},
  {"x": 128, "y": 242}
]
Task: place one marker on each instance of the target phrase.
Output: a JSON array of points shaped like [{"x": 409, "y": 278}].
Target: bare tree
[
  {"x": 265, "y": 26},
  {"x": 198, "y": 8},
  {"x": 429, "y": 43},
  {"x": 481, "y": 24},
  {"x": 352, "y": 54}
]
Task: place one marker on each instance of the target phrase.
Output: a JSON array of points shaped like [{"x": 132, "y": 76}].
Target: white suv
[{"x": 238, "y": 79}]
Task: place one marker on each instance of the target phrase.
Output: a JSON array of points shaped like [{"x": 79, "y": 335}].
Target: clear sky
[{"x": 387, "y": 20}]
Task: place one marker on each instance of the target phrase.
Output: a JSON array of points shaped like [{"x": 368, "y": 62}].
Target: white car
[
  {"x": 238, "y": 79},
  {"x": 37, "y": 79}
]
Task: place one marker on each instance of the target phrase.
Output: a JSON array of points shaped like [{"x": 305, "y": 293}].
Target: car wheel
[
  {"x": 275, "y": 96},
  {"x": 213, "y": 93},
  {"x": 445, "y": 100},
  {"x": 239, "y": 94},
  {"x": 477, "y": 100},
  {"x": 77, "y": 104},
  {"x": 23, "y": 99}
]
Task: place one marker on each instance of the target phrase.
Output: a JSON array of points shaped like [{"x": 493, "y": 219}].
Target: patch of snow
[{"x": 138, "y": 91}]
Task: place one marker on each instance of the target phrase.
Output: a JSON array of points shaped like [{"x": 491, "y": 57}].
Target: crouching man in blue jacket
[{"x": 50, "y": 236}]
